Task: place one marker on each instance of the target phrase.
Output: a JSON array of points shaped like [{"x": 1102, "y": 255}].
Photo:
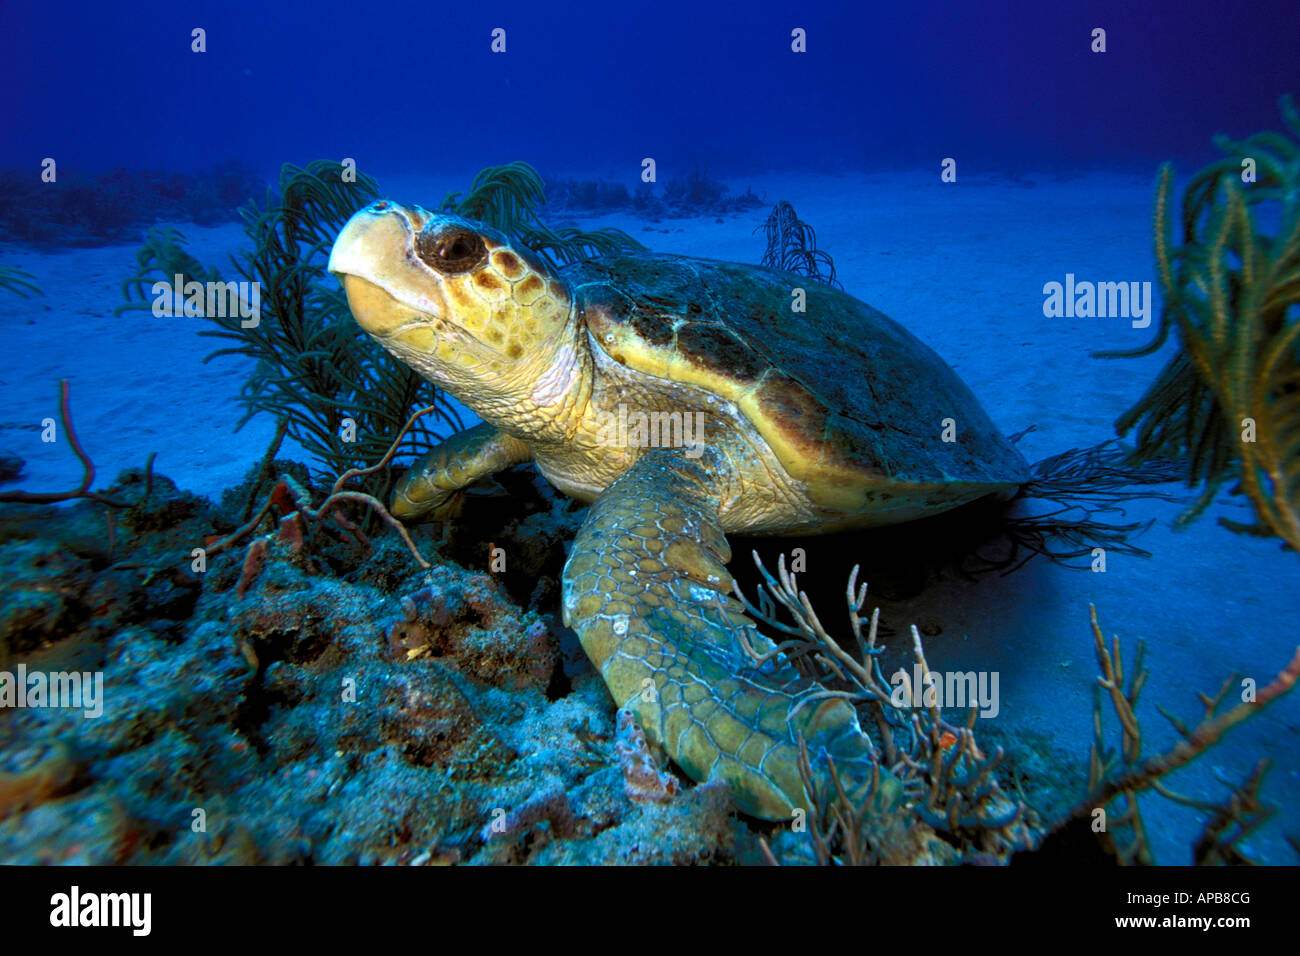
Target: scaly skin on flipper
[
  {"x": 647, "y": 590},
  {"x": 432, "y": 489}
]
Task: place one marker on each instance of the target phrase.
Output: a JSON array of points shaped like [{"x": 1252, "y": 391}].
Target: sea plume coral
[
  {"x": 954, "y": 803},
  {"x": 1228, "y": 402},
  {"x": 792, "y": 246},
  {"x": 507, "y": 197},
  {"x": 1121, "y": 776},
  {"x": 961, "y": 802}
]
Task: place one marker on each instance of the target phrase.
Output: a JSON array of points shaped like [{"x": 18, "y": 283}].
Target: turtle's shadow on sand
[{"x": 900, "y": 563}]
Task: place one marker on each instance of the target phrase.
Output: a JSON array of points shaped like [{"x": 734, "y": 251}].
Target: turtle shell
[{"x": 851, "y": 403}]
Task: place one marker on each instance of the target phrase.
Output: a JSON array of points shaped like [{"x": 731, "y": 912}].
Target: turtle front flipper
[
  {"x": 647, "y": 590},
  {"x": 432, "y": 488}
]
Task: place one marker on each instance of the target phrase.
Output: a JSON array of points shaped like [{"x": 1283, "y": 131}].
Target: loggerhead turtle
[{"x": 685, "y": 400}]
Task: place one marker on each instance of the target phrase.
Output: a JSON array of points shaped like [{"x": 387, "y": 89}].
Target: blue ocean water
[
  {"x": 417, "y": 89},
  {"x": 1055, "y": 145}
]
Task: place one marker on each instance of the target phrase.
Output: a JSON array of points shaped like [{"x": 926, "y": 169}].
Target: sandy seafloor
[{"x": 963, "y": 267}]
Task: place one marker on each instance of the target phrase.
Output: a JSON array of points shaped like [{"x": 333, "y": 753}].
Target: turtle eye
[{"x": 451, "y": 251}]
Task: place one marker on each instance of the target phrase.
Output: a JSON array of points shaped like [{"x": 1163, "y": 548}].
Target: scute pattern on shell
[{"x": 847, "y": 397}]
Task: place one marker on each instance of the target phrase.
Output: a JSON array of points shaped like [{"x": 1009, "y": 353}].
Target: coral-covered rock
[
  {"x": 350, "y": 709},
  {"x": 31, "y": 775},
  {"x": 642, "y": 778},
  {"x": 41, "y": 585}
]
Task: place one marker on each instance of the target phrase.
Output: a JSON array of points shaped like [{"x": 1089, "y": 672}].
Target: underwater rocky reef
[
  {"x": 342, "y": 706},
  {"x": 315, "y": 696},
  {"x": 93, "y": 209},
  {"x": 696, "y": 194}
]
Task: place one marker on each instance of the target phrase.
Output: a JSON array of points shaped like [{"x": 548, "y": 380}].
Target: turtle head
[{"x": 460, "y": 303}]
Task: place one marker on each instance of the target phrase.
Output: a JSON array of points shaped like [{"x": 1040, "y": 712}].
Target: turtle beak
[
  {"x": 365, "y": 234},
  {"x": 372, "y": 259}
]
